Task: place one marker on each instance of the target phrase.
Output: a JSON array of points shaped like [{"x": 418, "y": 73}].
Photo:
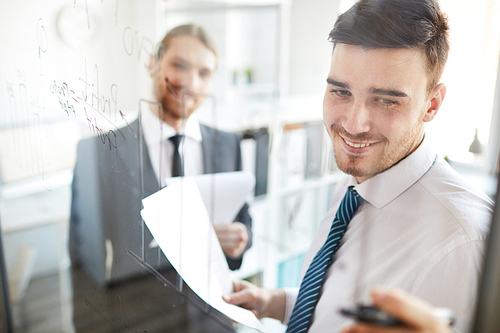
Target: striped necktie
[{"x": 313, "y": 279}]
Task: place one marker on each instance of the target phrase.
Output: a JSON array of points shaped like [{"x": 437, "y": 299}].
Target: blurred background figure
[{"x": 165, "y": 141}]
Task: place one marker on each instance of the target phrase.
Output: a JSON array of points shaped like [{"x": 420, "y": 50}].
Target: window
[{"x": 470, "y": 77}]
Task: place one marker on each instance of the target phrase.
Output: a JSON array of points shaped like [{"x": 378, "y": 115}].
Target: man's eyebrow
[
  {"x": 375, "y": 91},
  {"x": 178, "y": 58},
  {"x": 388, "y": 92},
  {"x": 206, "y": 68},
  {"x": 186, "y": 62},
  {"x": 337, "y": 83}
]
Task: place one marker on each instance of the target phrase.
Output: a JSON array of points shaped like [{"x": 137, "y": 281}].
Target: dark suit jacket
[{"x": 109, "y": 182}]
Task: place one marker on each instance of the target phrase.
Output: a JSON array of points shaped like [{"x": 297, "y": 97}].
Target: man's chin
[
  {"x": 353, "y": 166},
  {"x": 175, "y": 114},
  {"x": 353, "y": 171}
]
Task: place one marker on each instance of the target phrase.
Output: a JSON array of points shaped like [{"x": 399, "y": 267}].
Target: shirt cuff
[{"x": 291, "y": 296}]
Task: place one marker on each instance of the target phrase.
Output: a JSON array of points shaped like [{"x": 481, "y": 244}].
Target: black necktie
[{"x": 177, "y": 168}]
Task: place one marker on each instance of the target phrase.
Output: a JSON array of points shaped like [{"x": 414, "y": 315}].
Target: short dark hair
[
  {"x": 186, "y": 30},
  {"x": 410, "y": 24}
]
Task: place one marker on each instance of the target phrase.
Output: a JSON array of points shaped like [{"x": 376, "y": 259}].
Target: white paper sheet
[
  {"x": 223, "y": 193},
  {"x": 178, "y": 220}
]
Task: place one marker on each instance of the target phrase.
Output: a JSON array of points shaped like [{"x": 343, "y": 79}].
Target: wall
[{"x": 311, "y": 21}]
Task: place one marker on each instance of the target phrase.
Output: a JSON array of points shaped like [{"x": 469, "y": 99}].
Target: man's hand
[
  {"x": 262, "y": 302},
  {"x": 417, "y": 314},
  {"x": 233, "y": 238}
]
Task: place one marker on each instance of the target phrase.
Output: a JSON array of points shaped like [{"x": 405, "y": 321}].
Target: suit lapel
[{"x": 130, "y": 156}]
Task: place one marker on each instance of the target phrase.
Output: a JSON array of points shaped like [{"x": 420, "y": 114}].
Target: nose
[
  {"x": 190, "y": 81},
  {"x": 357, "y": 120}
]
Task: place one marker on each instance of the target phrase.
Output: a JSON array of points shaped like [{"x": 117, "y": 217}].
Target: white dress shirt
[
  {"x": 161, "y": 149},
  {"x": 421, "y": 228}
]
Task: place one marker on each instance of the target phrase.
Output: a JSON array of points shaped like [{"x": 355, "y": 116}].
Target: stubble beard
[
  {"x": 172, "y": 110},
  {"x": 374, "y": 164}
]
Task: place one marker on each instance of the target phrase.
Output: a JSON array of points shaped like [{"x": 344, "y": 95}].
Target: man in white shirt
[{"x": 419, "y": 227}]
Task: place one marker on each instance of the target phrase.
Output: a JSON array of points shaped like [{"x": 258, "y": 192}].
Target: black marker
[{"x": 374, "y": 315}]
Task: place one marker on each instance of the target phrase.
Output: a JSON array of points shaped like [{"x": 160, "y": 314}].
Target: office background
[{"x": 273, "y": 61}]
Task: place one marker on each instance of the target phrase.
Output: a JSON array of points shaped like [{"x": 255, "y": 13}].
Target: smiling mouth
[
  {"x": 356, "y": 145},
  {"x": 182, "y": 93}
]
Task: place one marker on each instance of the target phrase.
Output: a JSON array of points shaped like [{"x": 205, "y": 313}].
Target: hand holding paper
[
  {"x": 262, "y": 302},
  {"x": 178, "y": 220},
  {"x": 233, "y": 238}
]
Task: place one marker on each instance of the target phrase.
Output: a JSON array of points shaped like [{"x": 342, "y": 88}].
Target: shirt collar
[
  {"x": 191, "y": 128},
  {"x": 158, "y": 131},
  {"x": 386, "y": 186}
]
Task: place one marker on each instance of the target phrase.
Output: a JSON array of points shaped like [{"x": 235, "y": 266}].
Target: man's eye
[
  {"x": 341, "y": 93},
  {"x": 385, "y": 101},
  {"x": 179, "y": 65},
  {"x": 204, "y": 74}
]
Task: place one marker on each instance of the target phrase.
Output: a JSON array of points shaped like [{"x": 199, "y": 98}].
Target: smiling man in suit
[
  {"x": 183, "y": 73},
  {"x": 108, "y": 238}
]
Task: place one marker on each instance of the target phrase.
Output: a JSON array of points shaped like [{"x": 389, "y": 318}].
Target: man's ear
[{"x": 435, "y": 101}]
